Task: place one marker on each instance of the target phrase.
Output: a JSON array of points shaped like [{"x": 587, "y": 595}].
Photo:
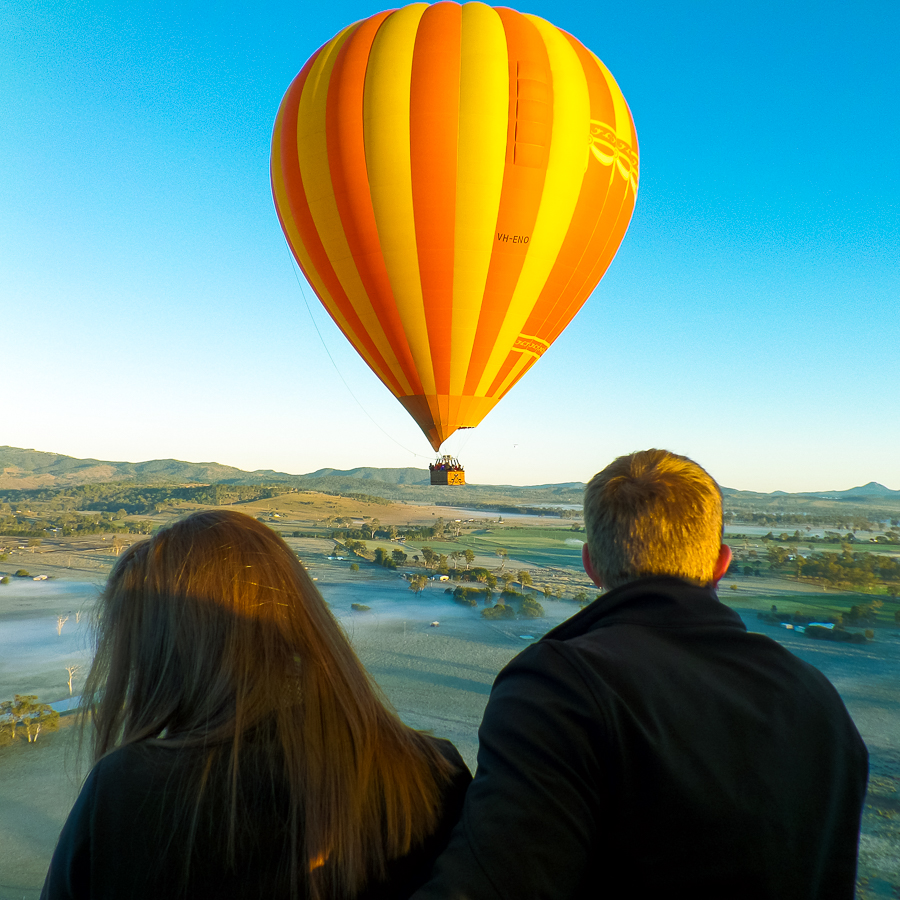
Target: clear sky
[{"x": 149, "y": 306}]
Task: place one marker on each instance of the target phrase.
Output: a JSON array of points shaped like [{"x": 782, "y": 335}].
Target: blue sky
[{"x": 149, "y": 307}]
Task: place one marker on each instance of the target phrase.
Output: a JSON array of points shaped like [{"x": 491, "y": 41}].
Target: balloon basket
[{"x": 447, "y": 470}]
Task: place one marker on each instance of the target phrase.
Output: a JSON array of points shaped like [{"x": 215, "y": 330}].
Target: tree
[
  {"x": 508, "y": 578},
  {"x": 417, "y": 583},
  {"x": 524, "y": 577},
  {"x": 470, "y": 557},
  {"x": 399, "y": 557},
  {"x": 34, "y": 717},
  {"x": 372, "y": 527},
  {"x": 504, "y": 555},
  {"x": 581, "y": 598},
  {"x": 500, "y": 611},
  {"x": 354, "y": 567},
  {"x": 429, "y": 556},
  {"x": 73, "y": 671},
  {"x": 531, "y": 609},
  {"x": 60, "y": 621}
]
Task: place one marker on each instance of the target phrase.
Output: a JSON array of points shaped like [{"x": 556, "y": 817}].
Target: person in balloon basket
[{"x": 650, "y": 746}]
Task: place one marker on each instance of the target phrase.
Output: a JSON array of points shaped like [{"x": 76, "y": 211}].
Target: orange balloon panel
[{"x": 453, "y": 182}]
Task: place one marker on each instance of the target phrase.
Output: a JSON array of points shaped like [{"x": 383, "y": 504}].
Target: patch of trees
[
  {"x": 481, "y": 575},
  {"x": 141, "y": 499},
  {"x": 435, "y": 560},
  {"x": 26, "y": 716},
  {"x": 470, "y": 596},
  {"x": 500, "y": 611},
  {"x": 360, "y": 607},
  {"x": 812, "y": 520},
  {"x": 19, "y": 525},
  {"x": 508, "y": 508},
  {"x": 368, "y": 498},
  {"x": 531, "y": 608},
  {"x": 375, "y": 530},
  {"x": 383, "y": 558},
  {"x": 831, "y": 537},
  {"x": 819, "y": 632},
  {"x": 854, "y": 570},
  {"x": 357, "y": 547}
]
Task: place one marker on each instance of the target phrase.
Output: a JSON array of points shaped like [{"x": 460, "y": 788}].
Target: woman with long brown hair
[{"x": 240, "y": 748}]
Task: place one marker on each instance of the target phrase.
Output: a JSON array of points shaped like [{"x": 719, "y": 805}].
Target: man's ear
[
  {"x": 589, "y": 566},
  {"x": 722, "y": 563}
]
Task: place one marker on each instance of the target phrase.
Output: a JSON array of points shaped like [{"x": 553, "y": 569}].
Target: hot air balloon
[{"x": 453, "y": 181}]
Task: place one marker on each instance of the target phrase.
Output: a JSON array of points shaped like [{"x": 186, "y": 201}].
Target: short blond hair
[{"x": 653, "y": 513}]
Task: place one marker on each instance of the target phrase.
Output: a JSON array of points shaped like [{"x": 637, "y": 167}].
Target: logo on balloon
[
  {"x": 529, "y": 344},
  {"x": 609, "y": 149}
]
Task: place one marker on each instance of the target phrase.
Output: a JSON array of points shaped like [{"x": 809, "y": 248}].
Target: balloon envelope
[{"x": 453, "y": 182}]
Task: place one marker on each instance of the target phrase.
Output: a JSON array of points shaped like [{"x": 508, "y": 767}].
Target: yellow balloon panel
[{"x": 453, "y": 182}]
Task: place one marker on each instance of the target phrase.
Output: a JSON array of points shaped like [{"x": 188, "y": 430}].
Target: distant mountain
[
  {"x": 872, "y": 489},
  {"x": 33, "y": 468},
  {"x": 28, "y": 469}
]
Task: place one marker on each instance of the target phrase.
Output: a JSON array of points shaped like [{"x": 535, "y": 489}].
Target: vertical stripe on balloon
[
  {"x": 520, "y": 199},
  {"x": 387, "y": 149},
  {"x": 433, "y": 131},
  {"x": 481, "y": 151}
]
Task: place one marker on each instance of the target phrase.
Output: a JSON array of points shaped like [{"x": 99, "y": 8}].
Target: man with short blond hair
[
  {"x": 654, "y": 513},
  {"x": 650, "y": 746}
]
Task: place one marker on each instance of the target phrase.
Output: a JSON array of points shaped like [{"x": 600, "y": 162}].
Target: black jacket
[
  {"x": 121, "y": 842},
  {"x": 650, "y": 747}
]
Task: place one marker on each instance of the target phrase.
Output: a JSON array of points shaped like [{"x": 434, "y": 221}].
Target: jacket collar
[{"x": 655, "y": 601}]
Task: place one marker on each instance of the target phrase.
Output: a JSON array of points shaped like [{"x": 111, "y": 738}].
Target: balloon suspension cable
[
  {"x": 294, "y": 268},
  {"x": 464, "y": 439}
]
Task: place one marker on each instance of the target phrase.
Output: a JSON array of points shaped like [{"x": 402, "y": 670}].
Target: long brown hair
[{"x": 211, "y": 634}]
